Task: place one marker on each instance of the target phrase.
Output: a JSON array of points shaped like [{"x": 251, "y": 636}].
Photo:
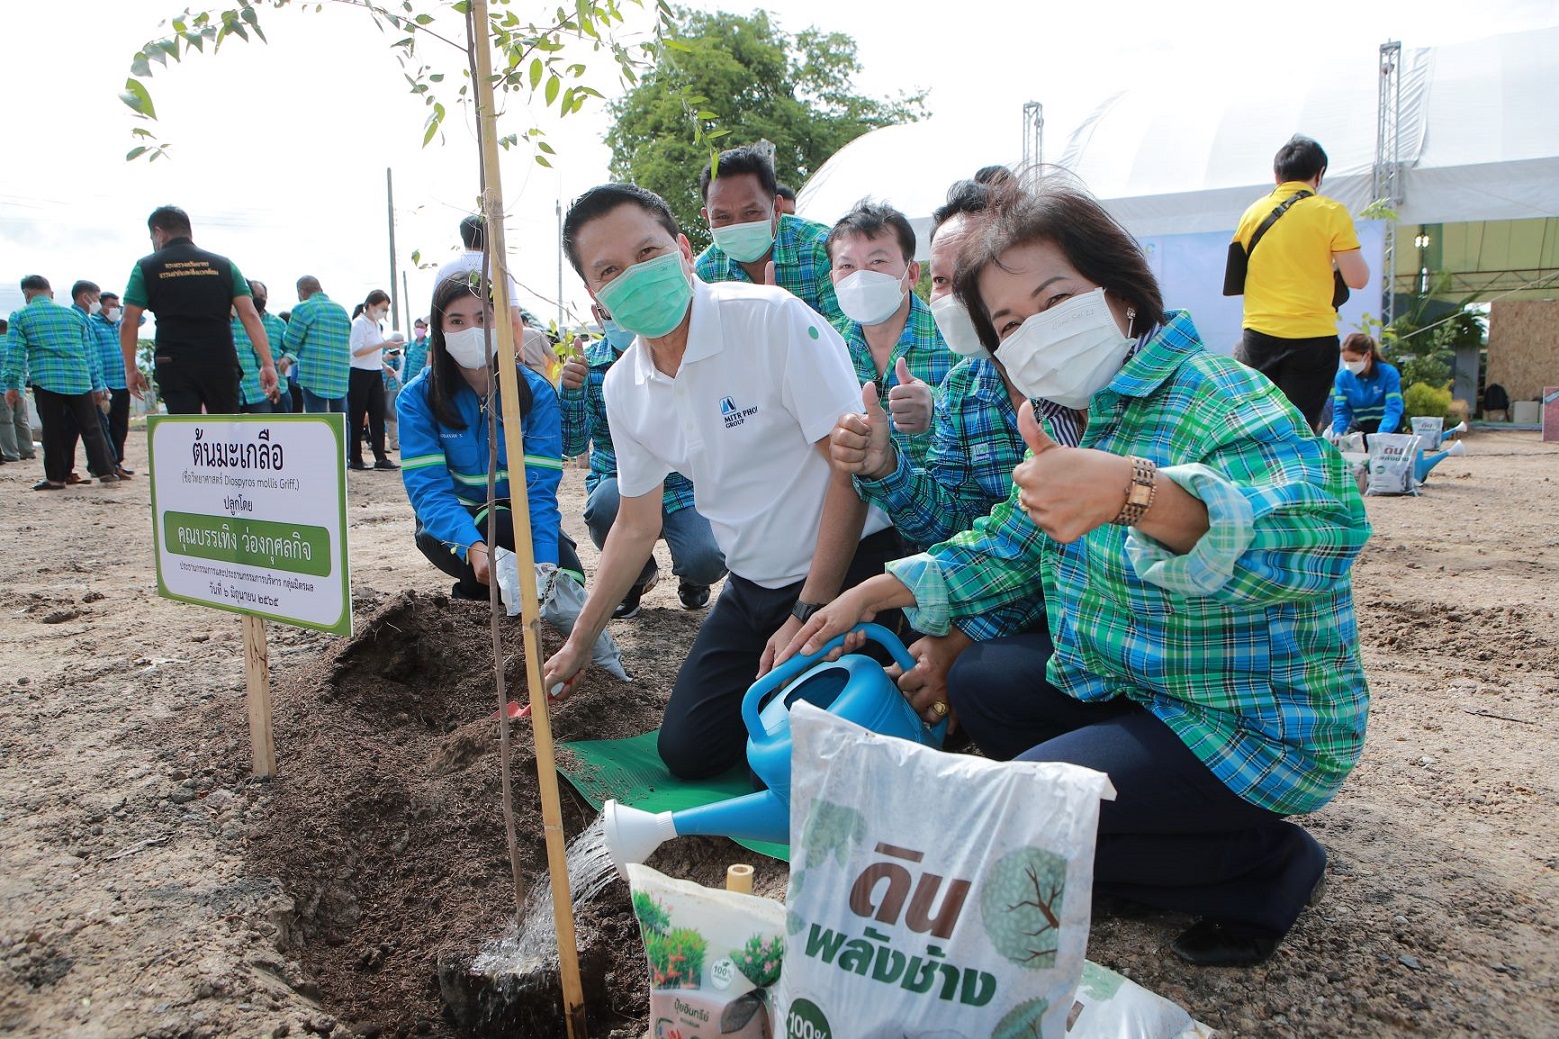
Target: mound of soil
[{"x": 386, "y": 830}]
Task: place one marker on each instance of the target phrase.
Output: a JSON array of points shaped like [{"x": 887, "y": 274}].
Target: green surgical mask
[
  {"x": 745, "y": 243},
  {"x": 649, "y": 298}
]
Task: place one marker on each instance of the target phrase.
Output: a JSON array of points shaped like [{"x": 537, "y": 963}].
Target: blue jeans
[
  {"x": 317, "y": 405},
  {"x": 695, "y": 558},
  {"x": 1175, "y": 837}
]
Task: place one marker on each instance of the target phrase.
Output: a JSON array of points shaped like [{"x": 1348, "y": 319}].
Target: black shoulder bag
[{"x": 1239, "y": 257}]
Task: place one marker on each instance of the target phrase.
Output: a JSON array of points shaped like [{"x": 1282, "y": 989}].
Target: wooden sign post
[{"x": 257, "y": 679}]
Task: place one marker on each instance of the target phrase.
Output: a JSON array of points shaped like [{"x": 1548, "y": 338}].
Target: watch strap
[{"x": 1139, "y": 492}]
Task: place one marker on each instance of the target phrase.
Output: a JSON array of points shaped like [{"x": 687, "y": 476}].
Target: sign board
[{"x": 249, "y": 514}]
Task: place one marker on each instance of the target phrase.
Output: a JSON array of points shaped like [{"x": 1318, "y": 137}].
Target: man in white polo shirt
[{"x": 737, "y": 387}]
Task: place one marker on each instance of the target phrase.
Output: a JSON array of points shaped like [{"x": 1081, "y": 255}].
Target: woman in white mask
[
  {"x": 444, "y": 447},
  {"x": 1367, "y": 396},
  {"x": 365, "y": 387},
  {"x": 1194, "y": 556}
]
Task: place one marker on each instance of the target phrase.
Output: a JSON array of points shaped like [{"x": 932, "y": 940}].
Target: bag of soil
[
  {"x": 562, "y": 598},
  {"x": 932, "y": 894},
  {"x": 1393, "y": 458},
  {"x": 1111, "y": 1006},
  {"x": 1429, "y": 429},
  {"x": 713, "y": 956}
]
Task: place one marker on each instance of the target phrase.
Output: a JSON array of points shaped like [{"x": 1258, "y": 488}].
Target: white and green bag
[{"x": 932, "y": 894}]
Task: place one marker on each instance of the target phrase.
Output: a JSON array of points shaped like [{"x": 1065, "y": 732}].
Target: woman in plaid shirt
[{"x": 1194, "y": 555}]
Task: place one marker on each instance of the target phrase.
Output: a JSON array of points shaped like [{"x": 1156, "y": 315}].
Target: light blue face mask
[
  {"x": 618, "y": 337},
  {"x": 650, "y": 298},
  {"x": 745, "y": 243}
]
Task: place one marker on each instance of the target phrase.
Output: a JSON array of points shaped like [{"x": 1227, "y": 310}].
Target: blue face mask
[
  {"x": 616, "y": 335},
  {"x": 650, "y": 298}
]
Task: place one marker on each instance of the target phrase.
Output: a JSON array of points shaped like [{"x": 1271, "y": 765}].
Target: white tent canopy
[{"x": 1479, "y": 141}]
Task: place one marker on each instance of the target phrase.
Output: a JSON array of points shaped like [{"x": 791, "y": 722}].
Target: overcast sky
[{"x": 280, "y": 150}]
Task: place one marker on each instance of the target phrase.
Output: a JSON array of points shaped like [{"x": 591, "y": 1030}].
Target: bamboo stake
[
  {"x": 257, "y": 681},
  {"x": 530, "y": 609}
]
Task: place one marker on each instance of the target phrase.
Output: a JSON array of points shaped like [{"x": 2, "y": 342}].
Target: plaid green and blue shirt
[
  {"x": 110, "y": 359},
  {"x": 248, "y": 365},
  {"x": 1246, "y": 646},
  {"x": 928, "y": 358},
  {"x": 584, "y": 426},
  {"x": 48, "y": 346},
  {"x": 319, "y": 336},
  {"x": 801, "y": 265}
]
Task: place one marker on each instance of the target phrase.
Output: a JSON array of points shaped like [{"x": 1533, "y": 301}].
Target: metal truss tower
[{"x": 1386, "y": 184}]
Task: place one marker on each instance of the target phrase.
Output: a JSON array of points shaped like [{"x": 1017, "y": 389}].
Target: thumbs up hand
[
  {"x": 909, "y": 402},
  {"x": 860, "y": 444},
  {"x": 768, "y": 274},
  {"x": 575, "y": 370},
  {"x": 1067, "y": 491}
]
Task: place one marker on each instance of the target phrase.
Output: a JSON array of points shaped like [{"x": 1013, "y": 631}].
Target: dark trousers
[
  {"x": 365, "y": 396},
  {"x": 58, "y": 446},
  {"x": 119, "y": 423},
  {"x": 702, "y": 733},
  {"x": 1175, "y": 837},
  {"x": 187, "y": 388},
  {"x": 1304, "y": 369},
  {"x": 467, "y": 586}
]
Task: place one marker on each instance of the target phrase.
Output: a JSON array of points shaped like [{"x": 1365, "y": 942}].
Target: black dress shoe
[
  {"x": 46, "y": 485},
  {"x": 1208, "y": 943},
  {"x": 357, "y": 467},
  {"x": 385, "y": 464}
]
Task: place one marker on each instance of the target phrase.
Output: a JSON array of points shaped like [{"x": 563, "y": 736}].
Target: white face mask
[
  {"x": 957, "y": 327},
  {"x": 112, "y": 313},
  {"x": 870, "y": 297},
  {"x": 468, "y": 347},
  {"x": 95, "y": 308},
  {"x": 1356, "y": 367},
  {"x": 1068, "y": 353}
]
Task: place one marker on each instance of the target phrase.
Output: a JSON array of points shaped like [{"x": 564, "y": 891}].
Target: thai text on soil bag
[
  {"x": 713, "y": 957},
  {"x": 1393, "y": 457},
  {"x": 932, "y": 894}
]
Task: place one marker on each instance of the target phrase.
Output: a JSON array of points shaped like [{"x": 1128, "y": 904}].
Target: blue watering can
[{"x": 854, "y": 687}]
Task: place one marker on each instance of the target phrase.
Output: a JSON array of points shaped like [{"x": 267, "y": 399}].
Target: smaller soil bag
[{"x": 1393, "y": 458}]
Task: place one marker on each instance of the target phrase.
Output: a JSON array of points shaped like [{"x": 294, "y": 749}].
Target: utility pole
[
  {"x": 559, "y": 208},
  {"x": 406, "y": 295},
  {"x": 389, "y": 195}
]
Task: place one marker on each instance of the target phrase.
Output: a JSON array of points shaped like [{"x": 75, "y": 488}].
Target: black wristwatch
[{"x": 803, "y": 611}]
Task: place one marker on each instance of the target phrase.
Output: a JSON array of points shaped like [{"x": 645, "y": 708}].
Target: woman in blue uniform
[{"x": 1367, "y": 394}]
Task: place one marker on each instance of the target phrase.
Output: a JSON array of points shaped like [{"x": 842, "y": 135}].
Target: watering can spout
[
  {"x": 1426, "y": 462},
  {"x": 633, "y": 835}
]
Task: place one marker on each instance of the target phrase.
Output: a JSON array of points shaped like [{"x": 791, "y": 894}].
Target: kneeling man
[{"x": 736, "y": 387}]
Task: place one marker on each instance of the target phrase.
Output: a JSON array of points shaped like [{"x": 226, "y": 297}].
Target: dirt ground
[{"x": 151, "y": 888}]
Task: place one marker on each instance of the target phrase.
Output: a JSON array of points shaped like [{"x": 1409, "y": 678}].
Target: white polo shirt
[{"x": 763, "y": 379}]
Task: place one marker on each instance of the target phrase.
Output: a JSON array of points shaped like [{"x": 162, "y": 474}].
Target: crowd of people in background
[{"x": 1104, "y": 544}]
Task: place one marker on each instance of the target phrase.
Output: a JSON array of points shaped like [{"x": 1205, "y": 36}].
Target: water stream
[{"x": 533, "y": 945}]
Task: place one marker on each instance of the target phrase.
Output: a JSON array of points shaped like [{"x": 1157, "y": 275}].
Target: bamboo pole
[
  {"x": 530, "y": 609},
  {"x": 257, "y": 682}
]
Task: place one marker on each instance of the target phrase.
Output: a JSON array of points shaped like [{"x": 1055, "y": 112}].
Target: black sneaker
[
  {"x": 385, "y": 464},
  {"x": 693, "y": 596},
  {"x": 629, "y": 607}
]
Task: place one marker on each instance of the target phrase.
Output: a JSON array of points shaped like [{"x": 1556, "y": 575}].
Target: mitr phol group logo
[{"x": 733, "y": 414}]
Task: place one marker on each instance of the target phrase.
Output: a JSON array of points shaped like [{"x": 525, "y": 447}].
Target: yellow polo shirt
[{"x": 1288, "y": 283}]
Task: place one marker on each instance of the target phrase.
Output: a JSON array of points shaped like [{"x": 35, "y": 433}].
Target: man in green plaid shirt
[
  {"x": 319, "y": 336},
  {"x": 48, "y": 346},
  {"x": 755, "y": 243}
]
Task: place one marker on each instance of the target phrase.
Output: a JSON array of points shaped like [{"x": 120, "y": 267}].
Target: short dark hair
[
  {"x": 82, "y": 286},
  {"x": 1300, "y": 159},
  {"x": 868, "y": 220},
  {"x": 601, "y": 200},
  {"x": 109, "y": 295},
  {"x": 5, "y": 326},
  {"x": 473, "y": 231},
  {"x": 35, "y": 283},
  {"x": 376, "y": 297},
  {"x": 785, "y": 191},
  {"x": 171, "y": 219},
  {"x": 964, "y": 196},
  {"x": 733, "y": 161},
  {"x": 991, "y": 175},
  {"x": 444, "y": 378},
  {"x": 1057, "y": 210},
  {"x": 309, "y": 283}
]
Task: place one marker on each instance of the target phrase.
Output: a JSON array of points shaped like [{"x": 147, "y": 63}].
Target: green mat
[{"x": 630, "y": 772}]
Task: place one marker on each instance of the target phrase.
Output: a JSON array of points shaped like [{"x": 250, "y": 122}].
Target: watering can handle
[{"x": 783, "y": 674}]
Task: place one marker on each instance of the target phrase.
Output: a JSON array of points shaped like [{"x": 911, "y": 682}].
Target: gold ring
[{"x": 939, "y": 709}]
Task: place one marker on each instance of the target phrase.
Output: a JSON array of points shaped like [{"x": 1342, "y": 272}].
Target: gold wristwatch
[{"x": 1139, "y": 493}]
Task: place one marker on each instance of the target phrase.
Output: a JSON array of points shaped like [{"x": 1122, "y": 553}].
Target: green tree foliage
[
  {"x": 794, "y": 91},
  {"x": 1421, "y": 400},
  {"x": 535, "y": 57},
  {"x": 1422, "y": 342}
]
